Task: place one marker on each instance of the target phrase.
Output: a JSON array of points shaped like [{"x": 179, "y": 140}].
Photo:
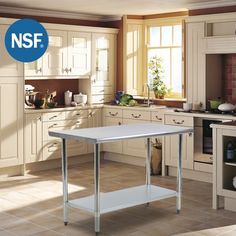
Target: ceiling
[{"x": 110, "y": 8}]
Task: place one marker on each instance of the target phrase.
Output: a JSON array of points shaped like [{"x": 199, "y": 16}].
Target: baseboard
[
  {"x": 138, "y": 161},
  {"x": 56, "y": 163},
  {"x": 191, "y": 174},
  {"x": 230, "y": 204},
  {"x": 11, "y": 171}
]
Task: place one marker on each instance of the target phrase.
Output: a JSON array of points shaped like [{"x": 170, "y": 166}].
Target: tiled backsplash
[
  {"x": 58, "y": 85},
  {"x": 229, "y": 78}
]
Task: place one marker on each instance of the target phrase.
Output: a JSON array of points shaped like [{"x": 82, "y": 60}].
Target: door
[
  {"x": 8, "y": 66},
  {"x": 55, "y": 58},
  {"x": 79, "y": 54},
  {"x": 34, "y": 68},
  {"x": 103, "y": 59},
  {"x": 11, "y": 121},
  {"x": 33, "y": 138}
]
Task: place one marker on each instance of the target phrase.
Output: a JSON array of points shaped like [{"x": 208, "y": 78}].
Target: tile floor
[{"x": 32, "y": 205}]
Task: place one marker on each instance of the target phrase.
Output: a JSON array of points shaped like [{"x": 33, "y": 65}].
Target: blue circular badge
[{"x": 26, "y": 40}]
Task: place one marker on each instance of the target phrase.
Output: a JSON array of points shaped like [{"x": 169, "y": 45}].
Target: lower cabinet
[
  {"x": 171, "y": 143},
  {"x": 115, "y": 147},
  {"x": 33, "y": 137}
]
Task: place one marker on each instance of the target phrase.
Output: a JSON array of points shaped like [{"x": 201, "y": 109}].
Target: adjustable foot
[
  {"x": 147, "y": 204},
  {"x": 65, "y": 223},
  {"x": 178, "y": 211}
]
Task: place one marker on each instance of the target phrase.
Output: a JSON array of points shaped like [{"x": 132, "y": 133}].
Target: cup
[{"x": 187, "y": 106}]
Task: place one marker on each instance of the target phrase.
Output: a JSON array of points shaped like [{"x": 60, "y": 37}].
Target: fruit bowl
[{"x": 51, "y": 104}]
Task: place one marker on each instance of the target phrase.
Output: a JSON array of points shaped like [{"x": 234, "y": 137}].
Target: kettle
[{"x": 68, "y": 97}]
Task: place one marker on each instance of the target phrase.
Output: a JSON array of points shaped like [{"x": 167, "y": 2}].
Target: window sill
[{"x": 164, "y": 99}]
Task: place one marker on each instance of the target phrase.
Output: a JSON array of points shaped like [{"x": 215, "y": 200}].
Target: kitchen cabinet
[
  {"x": 195, "y": 63},
  {"x": 63, "y": 120},
  {"x": 224, "y": 169},
  {"x": 11, "y": 121},
  {"x": 8, "y": 66},
  {"x": 135, "y": 147},
  {"x": 33, "y": 139},
  {"x": 112, "y": 117},
  {"x": 171, "y": 143},
  {"x": 68, "y": 54}
]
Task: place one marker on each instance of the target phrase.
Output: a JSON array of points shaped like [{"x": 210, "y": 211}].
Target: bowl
[
  {"x": 51, "y": 104},
  {"x": 38, "y": 103}
]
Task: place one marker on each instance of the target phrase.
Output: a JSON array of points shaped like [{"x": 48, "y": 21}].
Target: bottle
[
  {"x": 229, "y": 151},
  {"x": 68, "y": 98}
]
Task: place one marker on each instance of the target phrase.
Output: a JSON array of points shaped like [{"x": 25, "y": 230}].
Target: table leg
[
  {"x": 97, "y": 187},
  {"x": 65, "y": 181},
  {"x": 179, "y": 176},
  {"x": 148, "y": 168}
]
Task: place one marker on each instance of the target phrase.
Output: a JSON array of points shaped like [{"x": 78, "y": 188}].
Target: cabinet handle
[
  {"x": 102, "y": 91},
  {"x": 101, "y": 100},
  {"x": 178, "y": 122},
  {"x": 90, "y": 114},
  {"x": 52, "y": 117},
  {"x": 78, "y": 114},
  {"x": 65, "y": 70},
  {"x": 53, "y": 145},
  {"x": 119, "y": 123},
  {"x": 39, "y": 118},
  {"x": 136, "y": 116},
  {"x": 53, "y": 125},
  {"x": 158, "y": 118},
  {"x": 69, "y": 70},
  {"x": 77, "y": 122},
  {"x": 113, "y": 114},
  {"x": 190, "y": 134},
  {"x": 39, "y": 70}
]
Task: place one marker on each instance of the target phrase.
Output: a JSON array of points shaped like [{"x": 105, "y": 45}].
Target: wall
[
  {"x": 229, "y": 77},
  {"x": 58, "y": 85}
]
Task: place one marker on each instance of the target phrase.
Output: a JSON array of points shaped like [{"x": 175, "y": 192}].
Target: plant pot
[{"x": 159, "y": 96}]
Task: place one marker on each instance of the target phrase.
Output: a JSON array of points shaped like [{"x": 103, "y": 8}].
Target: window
[{"x": 165, "y": 42}]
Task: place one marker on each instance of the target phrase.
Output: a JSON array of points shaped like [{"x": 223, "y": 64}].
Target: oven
[{"x": 203, "y": 140}]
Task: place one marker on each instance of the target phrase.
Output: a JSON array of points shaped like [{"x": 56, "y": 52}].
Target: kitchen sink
[{"x": 151, "y": 106}]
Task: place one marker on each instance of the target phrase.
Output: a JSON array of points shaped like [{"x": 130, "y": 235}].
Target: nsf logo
[{"x": 26, "y": 40}]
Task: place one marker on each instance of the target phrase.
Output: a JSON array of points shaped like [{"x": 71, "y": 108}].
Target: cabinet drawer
[
  {"x": 102, "y": 98},
  {"x": 179, "y": 120},
  {"x": 110, "y": 112},
  {"x": 157, "y": 116},
  {"x": 51, "y": 150},
  {"x": 136, "y": 115},
  {"x": 76, "y": 114},
  {"x": 54, "y": 116},
  {"x": 102, "y": 90}
]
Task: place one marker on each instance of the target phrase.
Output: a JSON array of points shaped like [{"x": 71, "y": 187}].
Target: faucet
[{"x": 148, "y": 93}]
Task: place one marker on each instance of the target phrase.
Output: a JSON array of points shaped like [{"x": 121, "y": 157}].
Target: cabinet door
[
  {"x": 134, "y": 147},
  {"x": 94, "y": 120},
  {"x": 103, "y": 59},
  {"x": 33, "y": 138},
  {"x": 79, "y": 54},
  {"x": 11, "y": 121},
  {"x": 8, "y": 66},
  {"x": 115, "y": 147},
  {"x": 196, "y": 63},
  {"x": 55, "y": 58},
  {"x": 171, "y": 150},
  {"x": 34, "y": 68}
]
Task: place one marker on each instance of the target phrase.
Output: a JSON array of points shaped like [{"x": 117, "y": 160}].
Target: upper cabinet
[
  {"x": 68, "y": 54},
  {"x": 8, "y": 66}
]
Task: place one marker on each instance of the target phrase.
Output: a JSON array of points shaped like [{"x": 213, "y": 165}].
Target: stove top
[{"x": 232, "y": 113}]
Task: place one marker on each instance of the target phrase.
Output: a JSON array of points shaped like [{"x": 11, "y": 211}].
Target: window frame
[{"x": 159, "y": 23}]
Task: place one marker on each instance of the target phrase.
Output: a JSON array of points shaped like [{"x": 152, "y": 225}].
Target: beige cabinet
[
  {"x": 11, "y": 121},
  {"x": 8, "y": 66},
  {"x": 171, "y": 143},
  {"x": 112, "y": 116},
  {"x": 68, "y": 54},
  {"x": 195, "y": 63},
  {"x": 58, "y": 121},
  {"x": 33, "y": 139},
  {"x": 135, "y": 147}
]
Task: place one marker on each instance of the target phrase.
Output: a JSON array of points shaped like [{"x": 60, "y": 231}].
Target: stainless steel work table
[{"x": 100, "y": 203}]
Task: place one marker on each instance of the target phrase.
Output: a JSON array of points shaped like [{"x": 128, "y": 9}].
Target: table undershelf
[{"x": 123, "y": 198}]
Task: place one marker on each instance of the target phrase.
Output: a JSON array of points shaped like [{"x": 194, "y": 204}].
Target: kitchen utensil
[
  {"x": 51, "y": 104},
  {"x": 80, "y": 98},
  {"x": 226, "y": 107},
  {"x": 38, "y": 103},
  {"x": 30, "y": 95},
  {"x": 214, "y": 104},
  {"x": 68, "y": 98},
  {"x": 187, "y": 106}
]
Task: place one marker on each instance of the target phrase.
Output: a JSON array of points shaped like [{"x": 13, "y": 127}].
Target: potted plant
[{"x": 156, "y": 71}]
